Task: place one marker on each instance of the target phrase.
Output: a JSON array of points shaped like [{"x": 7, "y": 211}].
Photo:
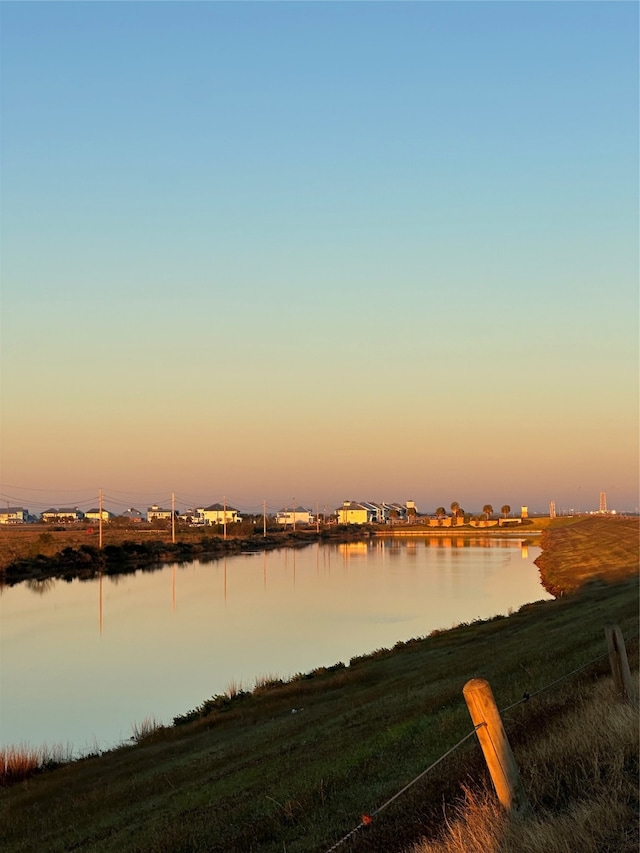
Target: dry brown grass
[
  {"x": 581, "y": 775},
  {"x": 599, "y": 547},
  {"x": 18, "y": 763}
]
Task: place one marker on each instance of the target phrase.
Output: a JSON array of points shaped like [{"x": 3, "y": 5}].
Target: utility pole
[
  {"x": 224, "y": 503},
  {"x": 317, "y": 519},
  {"x": 264, "y": 518},
  {"x": 173, "y": 517},
  {"x": 100, "y": 519},
  {"x": 293, "y": 500}
]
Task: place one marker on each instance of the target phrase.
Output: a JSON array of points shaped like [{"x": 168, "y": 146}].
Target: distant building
[
  {"x": 133, "y": 514},
  {"x": 14, "y": 515},
  {"x": 218, "y": 514},
  {"x": 296, "y": 515},
  {"x": 94, "y": 515},
  {"x": 352, "y": 512},
  {"x": 156, "y": 512},
  {"x": 63, "y": 515}
]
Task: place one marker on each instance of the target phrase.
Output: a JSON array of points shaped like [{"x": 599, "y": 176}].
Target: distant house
[
  {"x": 191, "y": 516},
  {"x": 94, "y": 514},
  {"x": 295, "y": 515},
  {"x": 352, "y": 512},
  {"x": 132, "y": 514},
  {"x": 372, "y": 512},
  {"x": 218, "y": 514},
  {"x": 63, "y": 515},
  {"x": 14, "y": 515},
  {"x": 395, "y": 511},
  {"x": 156, "y": 512}
]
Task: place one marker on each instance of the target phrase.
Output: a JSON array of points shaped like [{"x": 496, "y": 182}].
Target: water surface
[{"x": 83, "y": 661}]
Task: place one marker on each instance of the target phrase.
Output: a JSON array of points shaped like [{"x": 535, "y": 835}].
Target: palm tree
[
  {"x": 506, "y": 509},
  {"x": 487, "y": 509},
  {"x": 455, "y": 506}
]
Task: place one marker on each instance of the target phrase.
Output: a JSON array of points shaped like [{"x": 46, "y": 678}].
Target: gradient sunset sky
[{"x": 320, "y": 251}]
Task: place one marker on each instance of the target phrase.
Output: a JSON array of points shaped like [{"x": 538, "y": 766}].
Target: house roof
[
  {"x": 131, "y": 513},
  {"x": 11, "y": 509},
  {"x": 290, "y": 509},
  {"x": 219, "y": 508}
]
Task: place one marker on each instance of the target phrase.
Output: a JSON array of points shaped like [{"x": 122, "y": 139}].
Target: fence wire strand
[{"x": 367, "y": 818}]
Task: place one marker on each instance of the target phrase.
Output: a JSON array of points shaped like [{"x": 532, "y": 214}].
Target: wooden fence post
[
  {"x": 495, "y": 746},
  {"x": 620, "y": 663}
]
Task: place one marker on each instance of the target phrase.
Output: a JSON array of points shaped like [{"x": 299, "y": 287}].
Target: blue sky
[{"x": 331, "y": 250}]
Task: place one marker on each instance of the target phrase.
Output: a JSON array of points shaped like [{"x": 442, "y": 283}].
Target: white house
[
  {"x": 14, "y": 515},
  {"x": 157, "y": 512},
  {"x": 63, "y": 515},
  {"x": 295, "y": 515},
  {"x": 218, "y": 514},
  {"x": 94, "y": 514}
]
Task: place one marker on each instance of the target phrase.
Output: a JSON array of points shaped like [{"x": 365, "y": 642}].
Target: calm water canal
[{"x": 83, "y": 661}]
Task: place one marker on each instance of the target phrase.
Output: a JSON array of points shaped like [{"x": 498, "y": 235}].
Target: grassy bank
[{"x": 292, "y": 767}]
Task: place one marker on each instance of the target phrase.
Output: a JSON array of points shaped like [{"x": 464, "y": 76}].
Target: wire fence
[{"x": 367, "y": 818}]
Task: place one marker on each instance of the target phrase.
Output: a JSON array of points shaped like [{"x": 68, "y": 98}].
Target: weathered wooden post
[
  {"x": 495, "y": 746},
  {"x": 620, "y": 663}
]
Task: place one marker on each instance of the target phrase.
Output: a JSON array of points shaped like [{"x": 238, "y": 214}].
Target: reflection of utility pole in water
[
  {"x": 100, "y": 602},
  {"x": 294, "y": 563},
  {"x": 264, "y": 568},
  {"x": 225, "y": 579},
  {"x": 173, "y": 587}
]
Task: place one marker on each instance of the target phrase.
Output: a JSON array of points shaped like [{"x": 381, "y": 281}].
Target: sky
[{"x": 315, "y": 252}]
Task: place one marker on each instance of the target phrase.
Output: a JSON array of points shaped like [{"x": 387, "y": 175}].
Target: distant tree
[
  {"x": 506, "y": 509},
  {"x": 412, "y": 513},
  {"x": 487, "y": 509},
  {"x": 441, "y": 512},
  {"x": 455, "y": 508}
]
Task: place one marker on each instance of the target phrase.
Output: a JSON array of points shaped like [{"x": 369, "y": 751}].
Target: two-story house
[{"x": 14, "y": 515}]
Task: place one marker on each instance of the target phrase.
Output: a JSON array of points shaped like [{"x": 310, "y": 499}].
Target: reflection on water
[{"x": 86, "y": 660}]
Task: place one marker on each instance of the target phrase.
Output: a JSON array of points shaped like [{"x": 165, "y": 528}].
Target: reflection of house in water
[{"x": 353, "y": 549}]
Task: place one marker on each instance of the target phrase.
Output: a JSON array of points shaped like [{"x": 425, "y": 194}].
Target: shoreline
[{"x": 86, "y": 561}]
